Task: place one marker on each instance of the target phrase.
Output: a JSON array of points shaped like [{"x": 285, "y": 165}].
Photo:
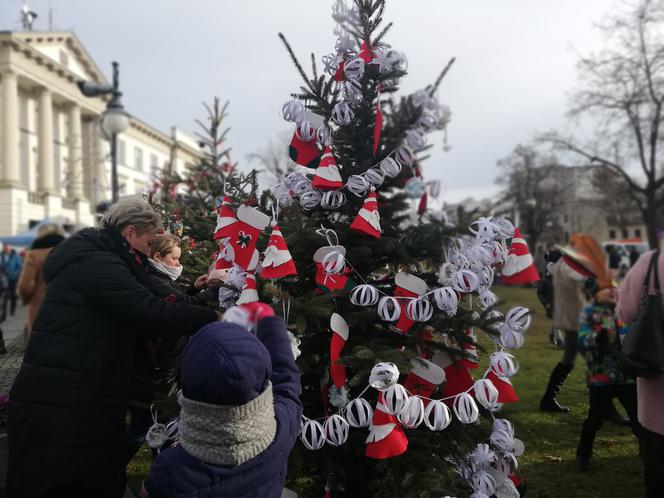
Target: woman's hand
[{"x": 201, "y": 282}]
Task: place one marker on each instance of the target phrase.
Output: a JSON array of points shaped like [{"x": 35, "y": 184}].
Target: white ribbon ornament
[
  {"x": 484, "y": 483},
  {"x": 485, "y": 393},
  {"x": 342, "y": 114},
  {"x": 465, "y": 281},
  {"x": 374, "y": 176},
  {"x": 412, "y": 414},
  {"x": 419, "y": 309},
  {"x": 305, "y": 131},
  {"x": 359, "y": 413},
  {"x": 466, "y": 409},
  {"x": 336, "y": 430},
  {"x": 485, "y": 229},
  {"x": 390, "y": 167},
  {"x": 332, "y": 199},
  {"x": 364, "y": 295},
  {"x": 310, "y": 199},
  {"x": 389, "y": 309},
  {"x": 351, "y": 92},
  {"x": 293, "y": 111},
  {"x": 437, "y": 415},
  {"x": 415, "y": 138},
  {"x": 383, "y": 375},
  {"x": 518, "y": 319},
  {"x": 333, "y": 262},
  {"x": 324, "y": 135},
  {"x": 446, "y": 299},
  {"x": 354, "y": 69},
  {"x": 504, "y": 364},
  {"x": 506, "y": 227},
  {"x": 312, "y": 435},
  {"x": 394, "y": 399},
  {"x": 510, "y": 339},
  {"x": 357, "y": 185},
  {"x": 487, "y": 299},
  {"x": 405, "y": 155}
]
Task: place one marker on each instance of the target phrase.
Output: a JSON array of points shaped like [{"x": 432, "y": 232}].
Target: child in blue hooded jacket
[{"x": 240, "y": 413}]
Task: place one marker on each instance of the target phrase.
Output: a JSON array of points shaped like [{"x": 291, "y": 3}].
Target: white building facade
[{"x": 54, "y": 162}]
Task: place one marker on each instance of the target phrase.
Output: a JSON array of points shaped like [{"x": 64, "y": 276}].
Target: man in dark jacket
[
  {"x": 68, "y": 403},
  {"x": 240, "y": 414}
]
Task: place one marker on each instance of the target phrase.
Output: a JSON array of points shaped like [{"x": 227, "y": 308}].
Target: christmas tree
[{"x": 353, "y": 263}]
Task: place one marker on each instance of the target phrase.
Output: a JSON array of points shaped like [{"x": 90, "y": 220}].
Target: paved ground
[{"x": 12, "y": 332}]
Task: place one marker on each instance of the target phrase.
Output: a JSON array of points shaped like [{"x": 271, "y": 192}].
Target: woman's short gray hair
[{"x": 132, "y": 210}]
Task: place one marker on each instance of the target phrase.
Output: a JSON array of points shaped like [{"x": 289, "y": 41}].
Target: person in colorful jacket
[{"x": 599, "y": 342}]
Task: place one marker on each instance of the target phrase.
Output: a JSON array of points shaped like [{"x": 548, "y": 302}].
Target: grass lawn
[{"x": 549, "y": 462}]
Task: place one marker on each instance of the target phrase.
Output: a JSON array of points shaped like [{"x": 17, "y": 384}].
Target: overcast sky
[{"x": 515, "y": 64}]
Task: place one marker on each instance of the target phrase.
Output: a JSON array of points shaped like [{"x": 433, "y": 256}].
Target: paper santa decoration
[
  {"x": 277, "y": 262},
  {"x": 338, "y": 341},
  {"x": 326, "y": 282},
  {"x": 327, "y": 175},
  {"x": 457, "y": 378},
  {"x": 222, "y": 265},
  {"x": 386, "y": 437},
  {"x": 368, "y": 220},
  {"x": 506, "y": 392},
  {"x": 304, "y": 152},
  {"x": 519, "y": 267},
  {"x": 226, "y": 220},
  {"x": 423, "y": 378},
  {"x": 242, "y": 243},
  {"x": 407, "y": 287},
  {"x": 249, "y": 292}
]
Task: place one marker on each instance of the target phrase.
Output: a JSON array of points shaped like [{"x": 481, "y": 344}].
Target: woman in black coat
[{"x": 66, "y": 430}]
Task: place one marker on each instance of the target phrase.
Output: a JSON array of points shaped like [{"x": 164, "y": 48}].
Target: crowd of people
[
  {"x": 117, "y": 347},
  {"x": 593, "y": 312}
]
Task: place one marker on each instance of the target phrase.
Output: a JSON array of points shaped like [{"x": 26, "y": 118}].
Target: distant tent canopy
[{"x": 25, "y": 239}]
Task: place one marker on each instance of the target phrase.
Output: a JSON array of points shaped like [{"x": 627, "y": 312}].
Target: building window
[
  {"x": 625, "y": 233},
  {"x": 612, "y": 234},
  {"x": 122, "y": 152},
  {"x": 138, "y": 158},
  {"x": 154, "y": 162},
  {"x": 637, "y": 233}
]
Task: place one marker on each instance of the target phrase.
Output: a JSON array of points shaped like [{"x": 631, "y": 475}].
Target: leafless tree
[
  {"x": 273, "y": 158},
  {"x": 531, "y": 183},
  {"x": 617, "y": 198},
  {"x": 621, "y": 92}
]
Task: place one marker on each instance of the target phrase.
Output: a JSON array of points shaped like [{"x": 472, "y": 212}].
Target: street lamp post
[{"x": 114, "y": 120}]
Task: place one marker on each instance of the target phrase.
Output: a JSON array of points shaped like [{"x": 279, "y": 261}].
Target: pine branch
[
  {"x": 435, "y": 86},
  {"x": 296, "y": 61}
]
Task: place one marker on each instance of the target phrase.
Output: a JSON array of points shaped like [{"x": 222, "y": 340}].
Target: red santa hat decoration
[
  {"x": 226, "y": 220},
  {"x": 277, "y": 262},
  {"x": 327, "y": 175},
  {"x": 368, "y": 219},
  {"x": 519, "y": 267}
]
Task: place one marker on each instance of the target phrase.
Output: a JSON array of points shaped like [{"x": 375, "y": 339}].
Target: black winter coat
[{"x": 66, "y": 429}]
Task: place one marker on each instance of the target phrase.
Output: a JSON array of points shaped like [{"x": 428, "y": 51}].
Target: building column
[
  {"x": 10, "y": 174},
  {"x": 75, "y": 142},
  {"x": 45, "y": 166},
  {"x": 100, "y": 175}
]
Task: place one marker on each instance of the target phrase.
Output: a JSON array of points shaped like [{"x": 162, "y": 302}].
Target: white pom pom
[
  {"x": 504, "y": 364},
  {"x": 437, "y": 415},
  {"x": 419, "y": 310},
  {"x": 465, "y": 409},
  {"x": 293, "y": 111},
  {"x": 374, "y": 176},
  {"x": 405, "y": 155},
  {"x": 390, "y": 167},
  {"x": 383, "y": 375},
  {"x": 342, "y": 114},
  {"x": 333, "y": 263},
  {"x": 354, "y": 69},
  {"x": 446, "y": 300},
  {"x": 357, "y": 185},
  {"x": 332, "y": 199},
  {"x": 336, "y": 430},
  {"x": 394, "y": 399},
  {"x": 364, "y": 295},
  {"x": 465, "y": 281},
  {"x": 485, "y": 393},
  {"x": 389, "y": 309},
  {"x": 305, "y": 131},
  {"x": 359, "y": 413},
  {"x": 312, "y": 435},
  {"x": 518, "y": 319},
  {"x": 412, "y": 414}
]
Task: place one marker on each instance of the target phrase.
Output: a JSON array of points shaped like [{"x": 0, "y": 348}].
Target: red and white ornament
[
  {"x": 367, "y": 220},
  {"x": 386, "y": 437},
  {"x": 242, "y": 244},
  {"x": 486, "y": 393},
  {"x": 465, "y": 281},
  {"x": 249, "y": 292},
  {"x": 447, "y": 300},
  {"x": 312, "y": 435},
  {"x": 336, "y": 430},
  {"x": 437, "y": 416},
  {"x": 226, "y": 220},
  {"x": 519, "y": 267},
  {"x": 407, "y": 287},
  {"x": 327, "y": 174},
  {"x": 364, "y": 295},
  {"x": 277, "y": 261},
  {"x": 358, "y": 413},
  {"x": 338, "y": 341}
]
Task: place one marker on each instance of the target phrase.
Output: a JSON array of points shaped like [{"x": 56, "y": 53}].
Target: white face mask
[{"x": 173, "y": 272}]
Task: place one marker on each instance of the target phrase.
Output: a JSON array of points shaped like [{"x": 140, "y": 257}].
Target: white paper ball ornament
[
  {"x": 487, "y": 299},
  {"x": 342, "y": 114},
  {"x": 419, "y": 310},
  {"x": 354, "y": 69},
  {"x": 383, "y": 375},
  {"x": 364, "y": 295},
  {"x": 336, "y": 430},
  {"x": 351, "y": 92},
  {"x": 305, "y": 131},
  {"x": 390, "y": 167},
  {"x": 310, "y": 199},
  {"x": 301, "y": 186},
  {"x": 394, "y": 399},
  {"x": 374, "y": 176},
  {"x": 504, "y": 364},
  {"x": 485, "y": 276},
  {"x": 484, "y": 483},
  {"x": 389, "y": 309},
  {"x": 465, "y": 281},
  {"x": 510, "y": 339},
  {"x": 466, "y": 409},
  {"x": 518, "y": 319},
  {"x": 358, "y": 413},
  {"x": 502, "y": 424},
  {"x": 333, "y": 262},
  {"x": 416, "y": 138},
  {"x": 312, "y": 435},
  {"x": 437, "y": 415},
  {"x": 405, "y": 155},
  {"x": 293, "y": 111},
  {"x": 324, "y": 135},
  {"x": 293, "y": 178},
  {"x": 332, "y": 199},
  {"x": 358, "y": 185},
  {"x": 412, "y": 414},
  {"x": 486, "y": 393},
  {"x": 446, "y": 299}
]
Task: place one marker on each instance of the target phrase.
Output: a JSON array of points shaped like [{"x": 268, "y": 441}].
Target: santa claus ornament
[
  {"x": 367, "y": 220},
  {"x": 277, "y": 262},
  {"x": 330, "y": 269},
  {"x": 457, "y": 378},
  {"x": 226, "y": 220},
  {"x": 242, "y": 243},
  {"x": 408, "y": 288},
  {"x": 519, "y": 267},
  {"x": 327, "y": 175},
  {"x": 423, "y": 378}
]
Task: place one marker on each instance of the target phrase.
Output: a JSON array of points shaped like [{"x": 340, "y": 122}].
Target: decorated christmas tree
[{"x": 384, "y": 298}]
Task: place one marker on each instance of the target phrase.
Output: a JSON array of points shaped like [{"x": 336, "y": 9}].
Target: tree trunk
[{"x": 650, "y": 218}]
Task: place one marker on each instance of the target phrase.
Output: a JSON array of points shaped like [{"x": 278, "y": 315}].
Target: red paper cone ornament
[
  {"x": 506, "y": 392},
  {"x": 250, "y": 224},
  {"x": 519, "y": 267},
  {"x": 303, "y": 152},
  {"x": 365, "y": 54},
  {"x": 386, "y": 437},
  {"x": 423, "y": 378},
  {"x": 277, "y": 261},
  {"x": 457, "y": 378},
  {"x": 339, "y": 337},
  {"x": 226, "y": 220},
  {"x": 378, "y": 127},
  {"x": 328, "y": 283},
  {"x": 249, "y": 292},
  {"x": 327, "y": 173},
  {"x": 407, "y": 286},
  {"x": 368, "y": 219}
]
